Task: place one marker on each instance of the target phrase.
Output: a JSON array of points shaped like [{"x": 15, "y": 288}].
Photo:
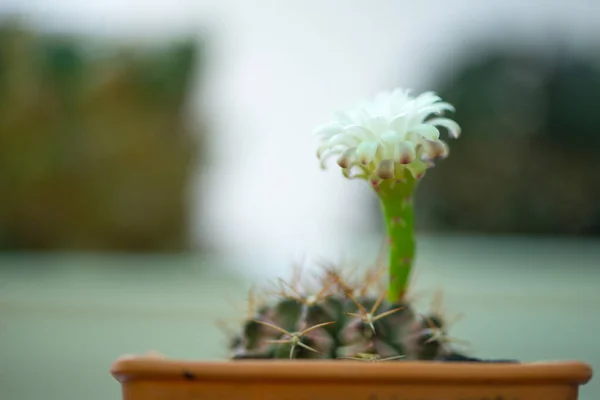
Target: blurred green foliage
[
  {"x": 527, "y": 161},
  {"x": 96, "y": 148}
]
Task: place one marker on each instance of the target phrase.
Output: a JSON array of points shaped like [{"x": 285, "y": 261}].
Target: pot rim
[{"x": 150, "y": 368}]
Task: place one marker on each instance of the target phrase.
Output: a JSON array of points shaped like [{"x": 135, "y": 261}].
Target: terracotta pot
[{"x": 145, "y": 378}]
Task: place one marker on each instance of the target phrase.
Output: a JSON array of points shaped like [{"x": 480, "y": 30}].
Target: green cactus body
[{"x": 343, "y": 323}]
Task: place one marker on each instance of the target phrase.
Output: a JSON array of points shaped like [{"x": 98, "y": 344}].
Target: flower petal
[
  {"x": 377, "y": 124},
  {"x": 347, "y": 157},
  {"x": 322, "y": 148},
  {"x": 325, "y": 155},
  {"x": 391, "y": 137},
  {"x": 404, "y": 152},
  {"x": 438, "y": 108},
  {"x": 385, "y": 169},
  {"x": 358, "y": 116},
  {"x": 360, "y": 132},
  {"x": 365, "y": 152},
  {"x": 434, "y": 149},
  {"x": 399, "y": 123},
  {"x": 389, "y": 140},
  {"x": 400, "y": 96},
  {"x": 344, "y": 139},
  {"x": 426, "y": 98},
  {"x": 352, "y": 173},
  {"x": 427, "y": 131},
  {"x": 452, "y": 127},
  {"x": 417, "y": 168},
  {"x": 420, "y": 114},
  {"x": 329, "y": 130},
  {"x": 342, "y": 117}
]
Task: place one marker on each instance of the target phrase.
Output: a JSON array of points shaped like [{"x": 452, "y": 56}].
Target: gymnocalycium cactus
[{"x": 390, "y": 142}]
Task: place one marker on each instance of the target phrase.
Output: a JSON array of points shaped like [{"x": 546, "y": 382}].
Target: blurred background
[{"x": 157, "y": 158}]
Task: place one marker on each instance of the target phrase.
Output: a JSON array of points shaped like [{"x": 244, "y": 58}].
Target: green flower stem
[{"x": 397, "y": 202}]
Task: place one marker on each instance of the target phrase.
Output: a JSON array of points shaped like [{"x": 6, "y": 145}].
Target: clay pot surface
[{"x": 152, "y": 378}]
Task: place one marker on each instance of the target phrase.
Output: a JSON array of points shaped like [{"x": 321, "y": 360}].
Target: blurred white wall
[{"x": 277, "y": 69}]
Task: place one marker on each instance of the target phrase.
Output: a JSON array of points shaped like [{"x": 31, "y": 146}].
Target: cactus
[
  {"x": 342, "y": 320},
  {"x": 390, "y": 142}
]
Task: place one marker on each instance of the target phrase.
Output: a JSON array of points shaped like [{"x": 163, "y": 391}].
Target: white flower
[{"x": 382, "y": 138}]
